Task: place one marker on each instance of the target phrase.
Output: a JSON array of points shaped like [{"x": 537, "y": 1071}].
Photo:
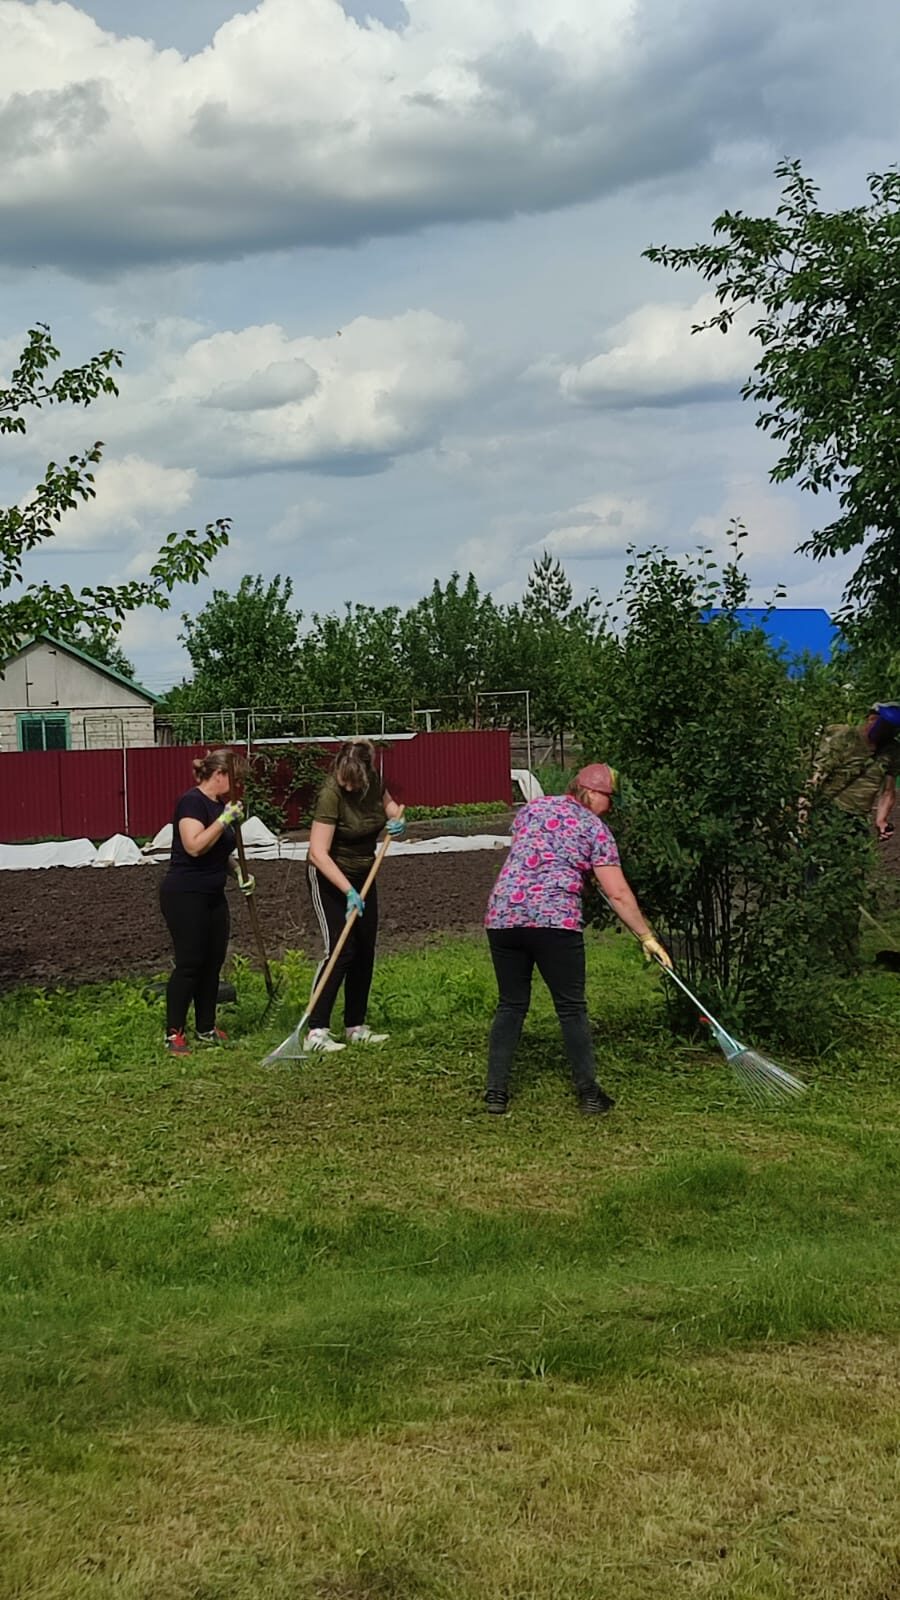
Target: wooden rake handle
[
  {"x": 345, "y": 931},
  {"x": 251, "y": 903}
]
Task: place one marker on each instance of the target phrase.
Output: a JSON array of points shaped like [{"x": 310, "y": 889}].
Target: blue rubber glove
[
  {"x": 396, "y": 827},
  {"x": 355, "y": 902}
]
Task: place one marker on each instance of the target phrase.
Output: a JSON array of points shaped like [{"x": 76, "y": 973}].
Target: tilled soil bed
[
  {"x": 68, "y": 926},
  {"x": 89, "y": 924}
]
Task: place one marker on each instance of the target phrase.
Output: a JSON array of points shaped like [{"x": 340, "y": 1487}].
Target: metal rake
[
  {"x": 291, "y": 1048},
  {"x": 762, "y": 1080}
]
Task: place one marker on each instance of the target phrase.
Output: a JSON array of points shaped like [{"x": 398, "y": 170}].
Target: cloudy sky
[{"x": 376, "y": 271}]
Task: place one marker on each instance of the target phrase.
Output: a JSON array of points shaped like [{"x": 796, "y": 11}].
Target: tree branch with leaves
[
  {"x": 824, "y": 291},
  {"x": 56, "y": 608}
]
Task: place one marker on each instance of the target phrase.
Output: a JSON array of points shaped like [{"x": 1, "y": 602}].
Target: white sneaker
[
  {"x": 362, "y": 1034},
  {"x": 320, "y": 1039}
]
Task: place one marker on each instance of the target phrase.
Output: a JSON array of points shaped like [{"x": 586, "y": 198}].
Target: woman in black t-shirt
[
  {"x": 192, "y": 900},
  {"x": 352, "y": 809}
]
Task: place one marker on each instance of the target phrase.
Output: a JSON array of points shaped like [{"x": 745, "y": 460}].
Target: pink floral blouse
[{"x": 556, "y": 843}]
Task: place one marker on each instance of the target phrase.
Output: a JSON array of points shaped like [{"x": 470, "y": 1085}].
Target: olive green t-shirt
[
  {"x": 852, "y": 773},
  {"x": 357, "y": 820}
]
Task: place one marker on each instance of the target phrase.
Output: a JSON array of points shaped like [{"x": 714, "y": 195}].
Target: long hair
[
  {"x": 354, "y": 765},
  {"x": 214, "y": 761}
]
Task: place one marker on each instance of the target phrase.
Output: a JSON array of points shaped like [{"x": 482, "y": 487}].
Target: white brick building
[{"x": 54, "y": 697}]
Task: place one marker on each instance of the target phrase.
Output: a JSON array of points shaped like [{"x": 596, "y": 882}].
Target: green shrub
[
  {"x": 553, "y": 778},
  {"x": 715, "y": 738}
]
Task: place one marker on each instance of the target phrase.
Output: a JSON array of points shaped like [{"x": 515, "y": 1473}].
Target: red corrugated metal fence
[
  {"x": 156, "y": 779},
  {"x": 92, "y": 792},
  {"x": 73, "y": 794},
  {"x": 449, "y": 769},
  {"x": 31, "y": 796}
]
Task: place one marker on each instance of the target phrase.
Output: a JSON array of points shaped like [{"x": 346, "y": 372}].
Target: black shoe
[
  {"x": 593, "y": 1102},
  {"x": 496, "y": 1101}
]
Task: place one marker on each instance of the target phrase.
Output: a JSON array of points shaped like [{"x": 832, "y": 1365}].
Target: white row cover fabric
[
  {"x": 119, "y": 851},
  {"x": 295, "y": 850},
  {"x": 529, "y": 785},
  {"x": 122, "y": 852},
  {"x": 56, "y": 853},
  {"x": 255, "y": 834}
]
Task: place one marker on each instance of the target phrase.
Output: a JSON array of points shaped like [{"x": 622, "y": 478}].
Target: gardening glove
[
  {"x": 654, "y": 951},
  {"x": 355, "y": 902},
  {"x": 396, "y": 827},
  {"x": 247, "y": 885},
  {"x": 234, "y": 812}
]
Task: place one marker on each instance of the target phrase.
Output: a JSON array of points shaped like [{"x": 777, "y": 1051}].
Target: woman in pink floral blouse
[{"x": 535, "y": 918}]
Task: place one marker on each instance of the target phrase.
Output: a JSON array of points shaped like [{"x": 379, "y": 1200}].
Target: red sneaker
[
  {"x": 177, "y": 1044},
  {"x": 215, "y": 1036}
]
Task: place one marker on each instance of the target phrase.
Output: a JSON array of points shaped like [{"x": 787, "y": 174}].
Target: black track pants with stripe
[{"x": 356, "y": 962}]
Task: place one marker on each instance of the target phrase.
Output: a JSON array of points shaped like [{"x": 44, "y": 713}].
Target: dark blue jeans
[{"x": 558, "y": 954}]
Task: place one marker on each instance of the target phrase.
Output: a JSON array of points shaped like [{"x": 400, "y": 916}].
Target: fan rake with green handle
[{"x": 762, "y": 1080}]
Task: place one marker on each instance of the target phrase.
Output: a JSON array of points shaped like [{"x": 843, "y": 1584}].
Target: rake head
[
  {"x": 763, "y": 1080},
  {"x": 290, "y": 1049}
]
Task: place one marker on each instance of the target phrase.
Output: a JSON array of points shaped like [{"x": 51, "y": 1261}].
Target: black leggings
[
  {"x": 199, "y": 922},
  {"x": 356, "y": 962},
  {"x": 558, "y": 954}
]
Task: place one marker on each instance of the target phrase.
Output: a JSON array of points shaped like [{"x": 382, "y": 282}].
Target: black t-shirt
[{"x": 206, "y": 872}]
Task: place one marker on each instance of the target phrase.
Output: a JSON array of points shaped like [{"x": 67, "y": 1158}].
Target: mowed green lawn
[{"x": 329, "y": 1330}]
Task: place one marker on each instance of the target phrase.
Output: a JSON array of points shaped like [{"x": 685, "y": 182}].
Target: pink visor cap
[{"x": 598, "y": 776}]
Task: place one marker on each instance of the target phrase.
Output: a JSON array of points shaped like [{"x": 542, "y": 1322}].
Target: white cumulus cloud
[
  {"x": 604, "y": 525},
  {"x": 132, "y": 496},
  {"x": 653, "y": 359},
  {"x": 261, "y": 399}
]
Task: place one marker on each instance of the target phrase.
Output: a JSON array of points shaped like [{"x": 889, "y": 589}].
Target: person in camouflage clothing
[
  {"x": 856, "y": 767},
  {"x": 853, "y": 783}
]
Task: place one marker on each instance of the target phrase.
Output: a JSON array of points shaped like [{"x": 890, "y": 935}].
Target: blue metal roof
[{"x": 797, "y": 631}]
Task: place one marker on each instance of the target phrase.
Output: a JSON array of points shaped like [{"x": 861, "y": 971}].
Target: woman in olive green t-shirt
[{"x": 351, "y": 811}]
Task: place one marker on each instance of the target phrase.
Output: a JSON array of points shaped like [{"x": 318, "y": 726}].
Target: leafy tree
[
  {"x": 352, "y": 659},
  {"x": 328, "y": 667},
  {"x": 824, "y": 289},
  {"x": 714, "y": 739},
  {"x": 559, "y": 648},
  {"x": 101, "y": 646},
  {"x": 243, "y": 649},
  {"x": 868, "y": 660},
  {"x": 448, "y": 645},
  {"x": 56, "y": 608}
]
